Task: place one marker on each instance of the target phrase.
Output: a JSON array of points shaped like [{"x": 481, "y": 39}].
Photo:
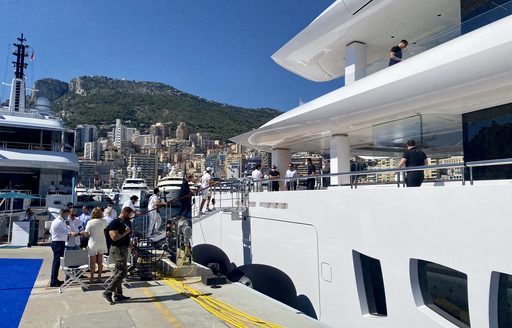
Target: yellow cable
[{"x": 221, "y": 310}]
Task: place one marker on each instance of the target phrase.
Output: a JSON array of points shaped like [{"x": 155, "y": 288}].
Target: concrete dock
[{"x": 153, "y": 304}]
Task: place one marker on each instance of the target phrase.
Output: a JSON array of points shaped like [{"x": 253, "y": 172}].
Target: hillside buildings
[{"x": 105, "y": 160}]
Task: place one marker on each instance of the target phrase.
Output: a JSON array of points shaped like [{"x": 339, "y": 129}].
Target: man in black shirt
[
  {"x": 274, "y": 174},
  {"x": 413, "y": 157},
  {"x": 310, "y": 183},
  {"x": 119, "y": 231},
  {"x": 395, "y": 56},
  {"x": 185, "y": 197}
]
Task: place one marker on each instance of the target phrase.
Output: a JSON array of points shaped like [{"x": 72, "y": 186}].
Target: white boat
[
  {"x": 170, "y": 185},
  {"x": 35, "y": 147},
  {"x": 134, "y": 187},
  {"x": 381, "y": 255}
]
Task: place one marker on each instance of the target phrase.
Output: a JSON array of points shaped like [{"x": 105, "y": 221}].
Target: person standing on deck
[
  {"x": 257, "y": 176},
  {"x": 310, "y": 183},
  {"x": 274, "y": 174},
  {"x": 291, "y": 184},
  {"x": 413, "y": 157},
  {"x": 395, "y": 55},
  {"x": 206, "y": 190}
]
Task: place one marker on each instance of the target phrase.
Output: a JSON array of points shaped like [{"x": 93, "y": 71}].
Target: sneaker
[
  {"x": 121, "y": 298},
  {"x": 108, "y": 297},
  {"x": 209, "y": 209},
  {"x": 130, "y": 268}
]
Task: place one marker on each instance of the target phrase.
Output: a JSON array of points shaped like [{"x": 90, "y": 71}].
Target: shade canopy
[{"x": 17, "y": 195}]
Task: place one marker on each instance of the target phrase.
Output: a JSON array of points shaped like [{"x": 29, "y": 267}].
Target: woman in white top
[{"x": 97, "y": 245}]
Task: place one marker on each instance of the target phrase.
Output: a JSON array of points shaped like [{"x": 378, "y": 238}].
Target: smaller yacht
[
  {"x": 170, "y": 185},
  {"x": 134, "y": 186}
]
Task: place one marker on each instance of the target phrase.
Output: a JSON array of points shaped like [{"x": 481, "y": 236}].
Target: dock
[{"x": 153, "y": 303}]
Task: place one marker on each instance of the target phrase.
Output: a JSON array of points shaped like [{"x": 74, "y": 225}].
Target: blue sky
[{"x": 216, "y": 49}]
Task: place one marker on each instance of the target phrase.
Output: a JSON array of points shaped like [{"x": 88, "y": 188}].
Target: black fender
[
  {"x": 267, "y": 280},
  {"x": 205, "y": 254}
]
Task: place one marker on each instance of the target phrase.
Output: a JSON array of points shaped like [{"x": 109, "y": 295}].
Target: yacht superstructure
[
  {"x": 35, "y": 147},
  {"x": 382, "y": 255}
]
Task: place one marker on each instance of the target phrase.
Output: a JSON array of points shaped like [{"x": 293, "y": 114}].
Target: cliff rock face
[
  {"x": 101, "y": 100},
  {"x": 75, "y": 86},
  {"x": 49, "y": 88}
]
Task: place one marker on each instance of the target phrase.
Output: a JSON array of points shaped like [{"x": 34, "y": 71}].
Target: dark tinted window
[
  {"x": 505, "y": 301},
  {"x": 487, "y": 134},
  {"x": 445, "y": 291},
  {"x": 478, "y": 13},
  {"x": 373, "y": 283}
]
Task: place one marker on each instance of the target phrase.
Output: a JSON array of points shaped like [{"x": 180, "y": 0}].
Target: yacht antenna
[
  {"x": 20, "y": 53},
  {"x": 17, "y": 99}
]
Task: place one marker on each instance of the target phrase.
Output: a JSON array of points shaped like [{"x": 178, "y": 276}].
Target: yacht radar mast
[{"x": 17, "y": 99}]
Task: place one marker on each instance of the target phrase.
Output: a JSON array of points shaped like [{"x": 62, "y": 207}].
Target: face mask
[{"x": 132, "y": 215}]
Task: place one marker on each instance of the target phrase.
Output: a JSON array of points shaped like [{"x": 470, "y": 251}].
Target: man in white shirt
[
  {"x": 131, "y": 203},
  {"x": 257, "y": 176},
  {"x": 59, "y": 232},
  {"x": 206, "y": 193},
  {"x": 74, "y": 225},
  {"x": 155, "y": 220},
  {"x": 291, "y": 184}
]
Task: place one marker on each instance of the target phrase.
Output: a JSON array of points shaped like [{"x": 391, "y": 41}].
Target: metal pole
[{"x": 9, "y": 236}]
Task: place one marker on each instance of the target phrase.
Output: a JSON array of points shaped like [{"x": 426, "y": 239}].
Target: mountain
[{"x": 101, "y": 100}]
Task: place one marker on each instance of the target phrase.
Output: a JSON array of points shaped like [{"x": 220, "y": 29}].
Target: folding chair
[{"x": 74, "y": 264}]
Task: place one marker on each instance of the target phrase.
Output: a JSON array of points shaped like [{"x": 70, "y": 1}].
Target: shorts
[{"x": 207, "y": 192}]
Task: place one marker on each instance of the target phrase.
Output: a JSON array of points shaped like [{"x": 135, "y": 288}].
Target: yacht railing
[
  {"x": 28, "y": 112},
  {"x": 486, "y": 163},
  {"x": 234, "y": 194},
  {"x": 417, "y": 47},
  {"x": 29, "y": 146}
]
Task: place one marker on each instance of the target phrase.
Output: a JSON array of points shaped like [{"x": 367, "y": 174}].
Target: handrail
[
  {"x": 369, "y": 172},
  {"x": 353, "y": 182},
  {"x": 240, "y": 188},
  {"x": 489, "y": 162}
]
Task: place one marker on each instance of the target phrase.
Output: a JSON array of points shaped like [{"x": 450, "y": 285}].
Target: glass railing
[{"x": 419, "y": 46}]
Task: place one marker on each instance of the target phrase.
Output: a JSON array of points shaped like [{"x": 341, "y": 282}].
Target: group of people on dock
[{"x": 101, "y": 232}]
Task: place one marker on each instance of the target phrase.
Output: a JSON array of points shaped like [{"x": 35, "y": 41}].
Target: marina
[{"x": 392, "y": 213}]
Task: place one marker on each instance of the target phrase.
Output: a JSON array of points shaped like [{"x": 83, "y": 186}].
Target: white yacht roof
[
  {"x": 27, "y": 119},
  {"x": 465, "y": 74},
  {"x": 38, "y": 159},
  {"x": 317, "y": 53}
]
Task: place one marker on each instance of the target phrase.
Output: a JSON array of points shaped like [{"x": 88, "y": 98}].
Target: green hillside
[{"x": 101, "y": 100}]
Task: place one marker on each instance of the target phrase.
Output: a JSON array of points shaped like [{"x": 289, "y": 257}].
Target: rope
[{"x": 225, "y": 312}]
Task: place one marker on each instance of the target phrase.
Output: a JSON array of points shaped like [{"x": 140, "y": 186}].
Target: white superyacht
[{"x": 380, "y": 255}]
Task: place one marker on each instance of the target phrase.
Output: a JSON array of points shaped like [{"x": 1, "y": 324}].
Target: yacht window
[
  {"x": 370, "y": 285},
  {"x": 504, "y": 306},
  {"x": 445, "y": 291}
]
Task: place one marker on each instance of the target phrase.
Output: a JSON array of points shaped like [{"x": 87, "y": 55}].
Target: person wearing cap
[
  {"x": 206, "y": 181},
  {"x": 155, "y": 220}
]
